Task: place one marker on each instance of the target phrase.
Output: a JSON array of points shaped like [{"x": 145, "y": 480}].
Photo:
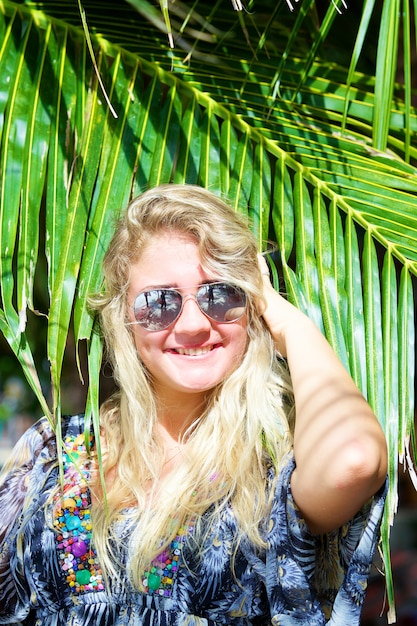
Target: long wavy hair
[{"x": 246, "y": 424}]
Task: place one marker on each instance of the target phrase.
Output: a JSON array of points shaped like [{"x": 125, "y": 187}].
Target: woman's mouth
[{"x": 194, "y": 351}]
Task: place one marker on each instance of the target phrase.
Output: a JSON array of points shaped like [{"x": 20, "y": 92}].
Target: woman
[{"x": 215, "y": 505}]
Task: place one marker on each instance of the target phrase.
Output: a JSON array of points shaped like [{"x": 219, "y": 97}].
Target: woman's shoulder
[
  {"x": 26, "y": 472},
  {"x": 39, "y": 441},
  {"x": 74, "y": 425},
  {"x": 70, "y": 425}
]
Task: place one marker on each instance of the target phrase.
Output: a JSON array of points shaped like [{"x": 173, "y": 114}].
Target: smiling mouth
[{"x": 194, "y": 351}]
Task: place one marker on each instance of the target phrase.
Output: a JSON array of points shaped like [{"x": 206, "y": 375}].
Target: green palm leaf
[{"x": 332, "y": 183}]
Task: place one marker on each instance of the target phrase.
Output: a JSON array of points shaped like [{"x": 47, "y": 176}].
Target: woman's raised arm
[{"x": 339, "y": 446}]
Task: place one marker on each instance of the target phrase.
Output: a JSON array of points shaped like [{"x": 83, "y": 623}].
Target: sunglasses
[{"x": 156, "y": 309}]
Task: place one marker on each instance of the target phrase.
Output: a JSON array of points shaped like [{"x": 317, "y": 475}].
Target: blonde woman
[{"x": 243, "y": 470}]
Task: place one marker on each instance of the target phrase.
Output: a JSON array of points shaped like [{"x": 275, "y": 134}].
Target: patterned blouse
[{"x": 50, "y": 574}]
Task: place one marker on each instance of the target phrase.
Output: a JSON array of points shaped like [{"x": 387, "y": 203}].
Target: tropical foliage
[{"x": 264, "y": 106}]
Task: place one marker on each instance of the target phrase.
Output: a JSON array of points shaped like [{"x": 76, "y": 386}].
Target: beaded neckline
[
  {"x": 159, "y": 577},
  {"x": 72, "y": 521}
]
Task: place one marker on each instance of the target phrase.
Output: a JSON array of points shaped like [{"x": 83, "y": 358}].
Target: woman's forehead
[{"x": 170, "y": 259}]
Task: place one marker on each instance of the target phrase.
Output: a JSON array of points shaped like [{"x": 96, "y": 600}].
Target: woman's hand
[
  {"x": 339, "y": 446},
  {"x": 278, "y": 313}
]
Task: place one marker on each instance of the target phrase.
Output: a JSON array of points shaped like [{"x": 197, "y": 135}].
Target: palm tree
[{"x": 303, "y": 128}]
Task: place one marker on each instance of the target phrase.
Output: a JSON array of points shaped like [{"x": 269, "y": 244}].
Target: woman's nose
[{"x": 191, "y": 320}]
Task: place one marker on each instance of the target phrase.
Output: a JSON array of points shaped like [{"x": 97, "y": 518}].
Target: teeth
[{"x": 193, "y": 351}]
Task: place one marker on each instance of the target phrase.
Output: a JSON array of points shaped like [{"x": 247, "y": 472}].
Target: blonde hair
[{"x": 244, "y": 426}]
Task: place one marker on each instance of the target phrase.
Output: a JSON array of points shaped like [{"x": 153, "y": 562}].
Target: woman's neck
[{"x": 174, "y": 418}]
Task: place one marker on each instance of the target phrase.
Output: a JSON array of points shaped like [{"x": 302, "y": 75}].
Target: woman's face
[{"x": 194, "y": 353}]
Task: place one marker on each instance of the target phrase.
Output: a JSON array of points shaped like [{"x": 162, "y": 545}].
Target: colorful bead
[
  {"x": 159, "y": 578},
  {"x": 73, "y": 521}
]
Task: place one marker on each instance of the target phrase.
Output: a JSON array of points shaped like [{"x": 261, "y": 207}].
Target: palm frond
[{"x": 302, "y": 167}]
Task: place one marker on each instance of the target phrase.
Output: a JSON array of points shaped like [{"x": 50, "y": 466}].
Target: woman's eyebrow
[{"x": 178, "y": 287}]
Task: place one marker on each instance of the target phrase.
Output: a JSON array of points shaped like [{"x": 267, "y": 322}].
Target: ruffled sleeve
[
  {"x": 314, "y": 580},
  {"x": 21, "y": 483}
]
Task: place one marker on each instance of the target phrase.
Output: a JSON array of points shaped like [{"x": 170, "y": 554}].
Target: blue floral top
[{"x": 52, "y": 577}]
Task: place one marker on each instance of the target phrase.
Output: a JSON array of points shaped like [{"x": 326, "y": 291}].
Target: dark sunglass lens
[
  {"x": 157, "y": 309},
  {"x": 222, "y": 302}
]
